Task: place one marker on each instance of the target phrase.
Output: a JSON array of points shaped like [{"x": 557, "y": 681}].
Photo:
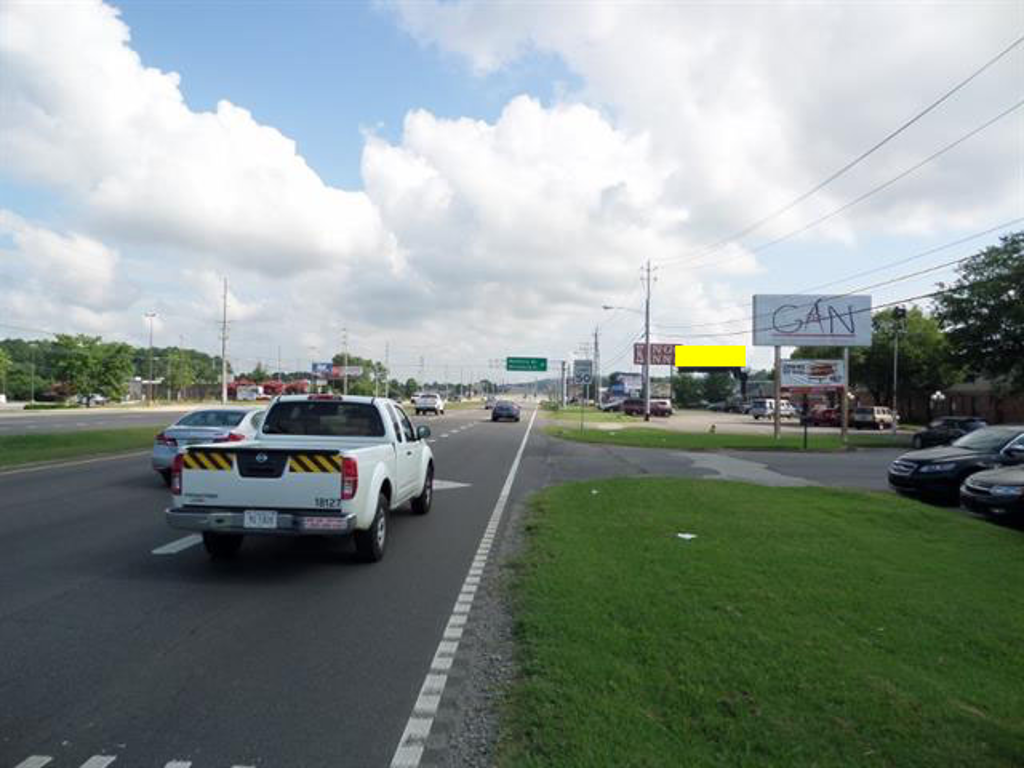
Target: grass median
[
  {"x": 641, "y": 437},
  {"x": 801, "y": 627},
  {"x": 52, "y": 446}
]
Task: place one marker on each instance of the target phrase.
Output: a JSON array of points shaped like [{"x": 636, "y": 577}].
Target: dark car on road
[
  {"x": 995, "y": 492},
  {"x": 505, "y": 409},
  {"x": 939, "y": 472},
  {"x": 946, "y": 429}
]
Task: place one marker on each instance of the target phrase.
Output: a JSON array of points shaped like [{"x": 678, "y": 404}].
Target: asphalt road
[
  {"x": 32, "y": 422},
  {"x": 292, "y": 655}
]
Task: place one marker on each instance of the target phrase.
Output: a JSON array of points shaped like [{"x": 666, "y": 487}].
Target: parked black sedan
[
  {"x": 996, "y": 492},
  {"x": 939, "y": 472},
  {"x": 946, "y": 429},
  {"x": 505, "y": 409}
]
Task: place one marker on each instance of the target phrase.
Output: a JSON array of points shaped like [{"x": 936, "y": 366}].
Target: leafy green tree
[
  {"x": 182, "y": 374},
  {"x": 687, "y": 390},
  {"x": 77, "y": 362},
  {"x": 113, "y": 369},
  {"x": 982, "y": 313},
  {"x": 926, "y": 362},
  {"x": 718, "y": 387},
  {"x": 410, "y": 388},
  {"x": 5, "y": 365}
]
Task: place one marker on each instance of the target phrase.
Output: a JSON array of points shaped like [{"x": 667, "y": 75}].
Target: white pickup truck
[{"x": 320, "y": 465}]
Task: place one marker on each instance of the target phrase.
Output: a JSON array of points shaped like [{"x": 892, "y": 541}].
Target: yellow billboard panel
[{"x": 711, "y": 356}]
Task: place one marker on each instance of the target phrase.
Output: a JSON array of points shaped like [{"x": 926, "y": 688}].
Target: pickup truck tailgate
[{"x": 262, "y": 477}]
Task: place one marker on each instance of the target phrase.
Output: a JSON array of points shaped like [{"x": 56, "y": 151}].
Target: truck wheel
[
  {"x": 370, "y": 544},
  {"x": 222, "y": 546},
  {"x": 421, "y": 504}
]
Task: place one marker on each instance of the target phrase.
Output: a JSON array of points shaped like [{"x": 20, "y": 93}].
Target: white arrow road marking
[
  {"x": 178, "y": 545},
  {"x": 448, "y": 485}
]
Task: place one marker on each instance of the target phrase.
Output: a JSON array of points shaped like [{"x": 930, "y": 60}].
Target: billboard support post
[
  {"x": 777, "y": 415},
  {"x": 845, "y": 405}
]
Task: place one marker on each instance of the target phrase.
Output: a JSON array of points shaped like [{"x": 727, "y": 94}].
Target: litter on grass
[{"x": 687, "y": 536}]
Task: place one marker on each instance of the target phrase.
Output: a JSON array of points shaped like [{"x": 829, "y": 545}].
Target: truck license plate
[{"x": 260, "y": 518}]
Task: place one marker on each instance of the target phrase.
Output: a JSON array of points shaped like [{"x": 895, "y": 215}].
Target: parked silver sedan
[{"x": 208, "y": 425}]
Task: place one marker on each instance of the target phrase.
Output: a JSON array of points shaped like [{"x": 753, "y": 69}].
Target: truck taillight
[
  {"x": 349, "y": 478},
  {"x": 176, "y": 467}
]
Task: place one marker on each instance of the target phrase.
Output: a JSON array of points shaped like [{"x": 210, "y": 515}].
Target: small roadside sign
[
  {"x": 583, "y": 371},
  {"x": 533, "y": 364}
]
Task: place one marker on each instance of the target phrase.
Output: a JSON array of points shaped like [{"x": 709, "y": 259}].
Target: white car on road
[
  {"x": 321, "y": 465},
  {"x": 206, "y": 425},
  {"x": 428, "y": 402}
]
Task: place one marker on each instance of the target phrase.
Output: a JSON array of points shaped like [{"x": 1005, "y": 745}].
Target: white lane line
[
  {"x": 62, "y": 464},
  {"x": 99, "y": 761},
  {"x": 36, "y": 761},
  {"x": 179, "y": 764},
  {"x": 410, "y": 747},
  {"x": 178, "y": 545}
]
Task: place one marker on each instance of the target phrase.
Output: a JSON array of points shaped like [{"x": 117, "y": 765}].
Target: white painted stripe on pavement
[
  {"x": 36, "y": 761},
  {"x": 99, "y": 761},
  {"x": 179, "y": 764},
  {"x": 62, "y": 464},
  {"x": 178, "y": 545},
  {"x": 410, "y": 747}
]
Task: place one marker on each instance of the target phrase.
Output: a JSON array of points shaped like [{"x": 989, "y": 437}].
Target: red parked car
[{"x": 634, "y": 406}]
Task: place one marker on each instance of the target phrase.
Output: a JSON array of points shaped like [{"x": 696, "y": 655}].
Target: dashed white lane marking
[
  {"x": 36, "y": 761},
  {"x": 448, "y": 485},
  {"x": 417, "y": 728},
  {"x": 176, "y": 546},
  {"x": 179, "y": 764},
  {"x": 99, "y": 761}
]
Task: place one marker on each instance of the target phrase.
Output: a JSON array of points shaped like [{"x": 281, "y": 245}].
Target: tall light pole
[
  {"x": 32, "y": 379},
  {"x": 224, "y": 346},
  {"x": 647, "y": 346},
  {"x": 150, "y": 316}
]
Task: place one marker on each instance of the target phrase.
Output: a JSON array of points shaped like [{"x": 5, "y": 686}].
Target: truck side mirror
[{"x": 422, "y": 432}]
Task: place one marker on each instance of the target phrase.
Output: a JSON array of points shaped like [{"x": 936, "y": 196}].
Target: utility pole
[
  {"x": 224, "y": 347},
  {"x": 597, "y": 368},
  {"x": 344, "y": 373},
  {"x": 899, "y": 317},
  {"x": 647, "y": 346},
  {"x": 387, "y": 371},
  {"x": 280, "y": 373},
  {"x": 32, "y": 381},
  {"x": 150, "y": 316}
]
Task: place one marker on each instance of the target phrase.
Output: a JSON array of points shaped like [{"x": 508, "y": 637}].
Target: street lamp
[
  {"x": 937, "y": 398},
  {"x": 150, "y": 316}
]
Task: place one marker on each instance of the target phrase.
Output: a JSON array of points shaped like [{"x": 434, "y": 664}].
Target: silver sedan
[{"x": 207, "y": 425}]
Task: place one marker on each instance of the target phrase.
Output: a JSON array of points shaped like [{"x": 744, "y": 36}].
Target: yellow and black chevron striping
[
  {"x": 215, "y": 460},
  {"x": 314, "y": 462}
]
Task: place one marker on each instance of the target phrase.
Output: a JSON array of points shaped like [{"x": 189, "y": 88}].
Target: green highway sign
[{"x": 526, "y": 363}]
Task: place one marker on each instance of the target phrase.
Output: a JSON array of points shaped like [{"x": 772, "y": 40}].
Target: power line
[
  {"x": 898, "y": 262},
  {"x": 859, "y": 158},
  {"x": 863, "y": 196}
]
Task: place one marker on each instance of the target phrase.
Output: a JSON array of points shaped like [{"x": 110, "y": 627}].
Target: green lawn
[
  {"x": 572, "y": 414},
  {"x": 645, "y": 437},
  {"x": 802, "y": 627},
  {"x": 23, "y": 449}
]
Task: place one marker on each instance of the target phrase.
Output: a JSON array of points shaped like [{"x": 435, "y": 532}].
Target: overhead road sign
[
  {"x": 532, "y": 364},
  {"x": 711, "y": 356},
  {"x": 661, "y": 354},
  {"x": 812, "y": 321},
  {"x": 813, "y": 374}
]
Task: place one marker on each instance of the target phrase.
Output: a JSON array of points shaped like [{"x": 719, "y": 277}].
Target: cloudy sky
[{"x": 468, "y": 180}]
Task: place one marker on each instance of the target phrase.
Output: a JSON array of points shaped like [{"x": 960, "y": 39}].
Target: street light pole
[
  {"x": 899, "y": 316},
  {"x": 150, "y": 316},
  {"x": 647, "y": 346}
]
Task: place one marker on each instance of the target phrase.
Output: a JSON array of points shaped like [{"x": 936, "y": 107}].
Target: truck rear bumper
[{"x": 215, "y": 520}]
